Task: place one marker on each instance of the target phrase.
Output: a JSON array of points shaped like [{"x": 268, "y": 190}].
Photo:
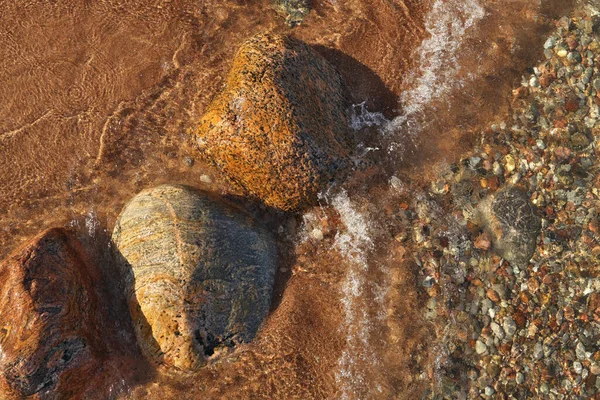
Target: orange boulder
[{"x": 279, "y": 128}]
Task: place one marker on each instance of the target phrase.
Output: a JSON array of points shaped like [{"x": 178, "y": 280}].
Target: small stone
[
  {"x": 544, "y": 388},
  {"x": 489, "y": 391},
  {"x": 497, "y": 330},
  {"x": 294, "y": 11},
  {"x": 580, "y": 351},
  {"x": 562, "y": 153},
  {"x": 571, "y": 42},
  {"x": 480, "y": 347},
  {"x": 316, "y": 234},
  {"x": 474, "y": 162},
  {"x": 550, "y": 43},
  {"x": 538, "y": 351},
  {"x": 509, "y": 163},
  {"x": 510, "y": 327},
  {"x": 493, "y": 295},
  {"x": 572, "y": 104},
  {"x": 519, "y": 378},
  {"x": 188, "y": 161},
  {"x": 540, "y": 144},
  {"x": 205, "y": 179},
  {"x": 562, "y": 52},
  {"x": 574, "y": 57},
  {"x": 482, "y": 242},
  {"x": 497, "y": 168},
  {"x": 534, "y": 81},
  {"x": 579, "y": 140},
  {"x": 577, "y": 367}
]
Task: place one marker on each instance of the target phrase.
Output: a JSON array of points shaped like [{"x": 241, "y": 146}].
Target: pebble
[
  {"x": 480, "y": 347},
  {"x": 580, "y": 351},
  {"x": 498, "y": 331},
  {"x": 538, "y": 351},
  {"x": 205, "y": 179},
  {"x": 534, "y": 81},
  {"x": 519, "y": 378},
  {"x": 316, "y": 234},
  {"x": 550, "y": 43},
  {"x": 188, "y": 161},
  {"x": 510, "y": 327},
  {"x": 562, "y": 52},
  {"x": 493, "y": 295},
  {"x": 509, "y": 163}
]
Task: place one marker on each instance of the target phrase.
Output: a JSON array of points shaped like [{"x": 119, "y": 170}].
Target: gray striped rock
[
  {"x": 512, "y": 223},
  {"x": 199, "y": 273}
]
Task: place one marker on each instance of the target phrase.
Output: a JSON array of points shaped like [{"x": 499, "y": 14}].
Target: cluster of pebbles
[{"x": 513, "y": 327}]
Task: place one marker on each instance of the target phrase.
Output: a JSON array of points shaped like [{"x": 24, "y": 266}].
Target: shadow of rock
[
  {"x": 125, "y": 367},
  {"x": 363, "y": 83}
]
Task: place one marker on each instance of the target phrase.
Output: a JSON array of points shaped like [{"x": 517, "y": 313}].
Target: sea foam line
[
  {"x": 446, "y": 24},
  {"x": 354, "y": 244}
]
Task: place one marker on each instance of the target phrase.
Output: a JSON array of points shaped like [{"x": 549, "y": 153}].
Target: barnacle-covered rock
[
  {"x": 510, "y": 220},
  {"x": 50, "y": 330},
  {"x": 199, "y": 273},
  {"x": 279, "y": 128}
]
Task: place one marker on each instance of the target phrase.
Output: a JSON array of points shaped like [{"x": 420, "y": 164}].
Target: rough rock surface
[
  {"x": 49, "y": 326},
  {"x": 294, "y": 11},
  {"x": 279, "y": 128},
  {"x": 199, "y": 273},
  {"x": 510, "y": 220}
]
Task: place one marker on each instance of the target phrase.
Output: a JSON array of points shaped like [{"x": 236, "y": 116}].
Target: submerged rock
[
  {"x": 294, "y": 11},
  {"x": 199, "y": 273},
  {"x": 510, "y": 220},
  {"x": 279, "y": 128},
  {"x": 49, "y": 325}
]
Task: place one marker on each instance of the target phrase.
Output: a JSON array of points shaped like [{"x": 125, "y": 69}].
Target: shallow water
[{"x": 96, "y": 100}]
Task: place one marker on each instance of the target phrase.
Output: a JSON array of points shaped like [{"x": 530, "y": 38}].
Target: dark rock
[
  {"x": 50, "y": 329},
  {"x": 511, "y": 221},
  {"x": 199, "y": 273},
  {"x": 280, "y": 127},
  {"x": 294, "y": 11}
]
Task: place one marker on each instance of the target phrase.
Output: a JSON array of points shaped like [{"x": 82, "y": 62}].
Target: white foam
[
  {"x": 361, "y": 117},
  {"x": 354, "y": 244},
  {"x": 447, "y": 23},
  {"x": 91, "y": 223}
]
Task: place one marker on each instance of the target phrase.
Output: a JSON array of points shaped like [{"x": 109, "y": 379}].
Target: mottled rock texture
[
  {"x": 279, "y": 128},
  {"x": 50, "y": 330},
  {"x": 511, "y": 221},
  {"x": 294, "y": 11},
  {"x": 199, "y": 273}
]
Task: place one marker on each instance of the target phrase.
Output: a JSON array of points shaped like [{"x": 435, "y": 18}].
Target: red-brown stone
[{"x": 49, "y": 327}]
